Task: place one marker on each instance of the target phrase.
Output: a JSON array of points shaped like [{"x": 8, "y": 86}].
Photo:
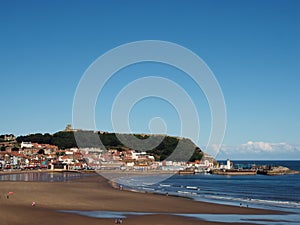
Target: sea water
[
  {"x": 289, "y": 219},
  {"x": 41, "y": 176},
  {"x": 258, "y": 191}
]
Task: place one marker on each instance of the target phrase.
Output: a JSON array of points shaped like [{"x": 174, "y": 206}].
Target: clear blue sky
[{"x": 252, "y": 47}]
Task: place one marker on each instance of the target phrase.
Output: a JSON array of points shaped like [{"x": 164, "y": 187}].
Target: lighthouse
[{"x": 228, "y": 166}]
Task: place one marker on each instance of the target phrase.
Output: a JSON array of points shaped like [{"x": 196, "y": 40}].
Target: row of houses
[
  {"x": 133, "y": 160},
  {"x": 40, "y": 156},
  {"x": 45, "y": 156}
]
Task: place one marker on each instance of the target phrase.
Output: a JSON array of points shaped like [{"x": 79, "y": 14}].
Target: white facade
[
  {"x": 228, "y": 166},
  {"x": 26, "y": 144}
]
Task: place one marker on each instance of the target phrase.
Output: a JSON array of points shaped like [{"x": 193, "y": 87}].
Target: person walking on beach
[{"x": 118, "y": 220}]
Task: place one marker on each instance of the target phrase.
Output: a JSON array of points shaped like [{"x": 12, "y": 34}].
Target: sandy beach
[{"x": 95, "y": 193}]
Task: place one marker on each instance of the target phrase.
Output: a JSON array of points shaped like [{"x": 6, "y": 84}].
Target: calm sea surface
[
  {"x": 43, "y": 177},
  {"x": 275, "y": 192}
]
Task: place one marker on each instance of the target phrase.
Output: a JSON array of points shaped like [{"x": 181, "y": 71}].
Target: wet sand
[{"x": 94, "y": 193}]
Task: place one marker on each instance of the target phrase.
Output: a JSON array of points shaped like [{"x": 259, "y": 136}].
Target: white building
[
  {"x": 26, "y": 144},
  {"x": 228, "y": 165},
  {"x": 137, "y": 155}
]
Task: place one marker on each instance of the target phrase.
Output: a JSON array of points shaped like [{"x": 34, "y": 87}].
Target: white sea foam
[
  {"x": 192, "y": 187},
  {"x": 165, "y": 185}
]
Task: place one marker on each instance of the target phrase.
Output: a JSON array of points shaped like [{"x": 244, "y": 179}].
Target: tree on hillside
[
  {"x": 15, "y": 149},
  {"x": 41, "y": 152}
]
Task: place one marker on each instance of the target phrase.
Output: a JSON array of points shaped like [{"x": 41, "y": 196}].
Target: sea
[
  {"x": 40, "y": 176},
  {"x": 259, "y": 191}
]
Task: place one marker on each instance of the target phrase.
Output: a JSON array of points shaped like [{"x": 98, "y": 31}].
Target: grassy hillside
[{"x": 90, "y": 139}]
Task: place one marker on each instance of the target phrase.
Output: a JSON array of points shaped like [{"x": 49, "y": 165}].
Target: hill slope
[{"x": 87, "y": 139}]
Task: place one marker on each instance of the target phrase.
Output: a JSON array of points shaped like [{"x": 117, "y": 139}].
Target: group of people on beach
[
  {"x": 118, "y": 220},
  {"x": 241, "y": 205},
  {"x": 11, "y": 193}
]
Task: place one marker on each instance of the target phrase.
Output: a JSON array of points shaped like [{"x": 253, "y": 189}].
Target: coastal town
[
  {"x": 25, "y": 156},
  {"x": 37, "y": 156}
]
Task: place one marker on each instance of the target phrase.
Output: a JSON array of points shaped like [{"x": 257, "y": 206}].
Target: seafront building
[{"x": 29, "y": 156}]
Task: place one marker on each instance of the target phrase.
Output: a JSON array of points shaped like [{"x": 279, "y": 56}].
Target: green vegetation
[
  {"x": 36, "y": 138},
  {"x": 90, "y": 139},
  {"x": 2, "y": 137},
  {"x": 15, "y": 149}
]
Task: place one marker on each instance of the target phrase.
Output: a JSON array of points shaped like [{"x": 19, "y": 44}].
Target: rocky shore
[{"x": 276, "y": 170}]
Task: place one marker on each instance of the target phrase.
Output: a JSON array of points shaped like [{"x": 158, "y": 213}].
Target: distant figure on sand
[
  {"x": 33, "y": 204},
  {"x": 118, "y": 221}
]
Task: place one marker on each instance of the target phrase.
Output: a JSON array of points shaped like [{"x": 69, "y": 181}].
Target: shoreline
[
  {"x": 115, "y": 185},
  {"x": 95, "y": 193}
]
